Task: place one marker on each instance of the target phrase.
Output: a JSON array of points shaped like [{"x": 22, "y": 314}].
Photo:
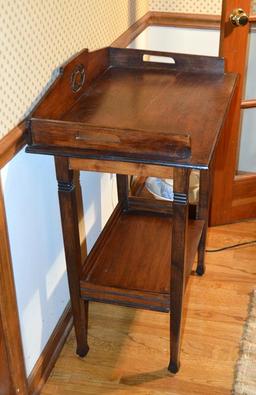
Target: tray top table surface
[{"x": 158, "y": 100}]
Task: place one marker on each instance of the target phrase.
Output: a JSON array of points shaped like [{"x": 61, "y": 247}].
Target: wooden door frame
[{"x": 234, "y": 197}]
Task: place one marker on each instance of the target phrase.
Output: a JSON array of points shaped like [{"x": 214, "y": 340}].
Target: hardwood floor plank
[{"x": 129, "y": 349}]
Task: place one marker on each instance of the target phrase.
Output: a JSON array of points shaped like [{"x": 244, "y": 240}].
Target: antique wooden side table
[{"x": 127, "y": 112}]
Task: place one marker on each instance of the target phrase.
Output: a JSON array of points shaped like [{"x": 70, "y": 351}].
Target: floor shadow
[{"x": 148, "y": 377}]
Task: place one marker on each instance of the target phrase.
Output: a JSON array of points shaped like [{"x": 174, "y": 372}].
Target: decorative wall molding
[
  {"x": 153, "y": 18},
  {"x": 195, "y": 21},
  {"x": 12, "y": 143}
]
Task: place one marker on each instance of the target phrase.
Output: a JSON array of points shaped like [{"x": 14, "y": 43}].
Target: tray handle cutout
[{"x": 158, "y": 59}]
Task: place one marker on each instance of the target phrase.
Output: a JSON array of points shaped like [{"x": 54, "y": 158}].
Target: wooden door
[{"x": 234, "y": 194}]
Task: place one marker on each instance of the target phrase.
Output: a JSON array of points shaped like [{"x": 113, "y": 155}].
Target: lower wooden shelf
[{"x": 130, "y": 262}]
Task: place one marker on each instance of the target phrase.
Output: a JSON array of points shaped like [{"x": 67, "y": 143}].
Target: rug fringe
[{"x": 245, "y": 370}]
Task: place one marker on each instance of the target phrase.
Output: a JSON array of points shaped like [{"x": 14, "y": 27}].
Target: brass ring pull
[
  {"x": 78, "y": 78},
  {"x": 238, "y": 17}
]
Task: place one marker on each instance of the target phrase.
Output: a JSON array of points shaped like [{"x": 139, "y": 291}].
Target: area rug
[{"x": 245, "y": 374}]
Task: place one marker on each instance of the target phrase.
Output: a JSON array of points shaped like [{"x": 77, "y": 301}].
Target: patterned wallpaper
[
  {"x": 36, "y": 36},
  {"x": 187, "y": 6},
  {"x": 191, "y": 6}
]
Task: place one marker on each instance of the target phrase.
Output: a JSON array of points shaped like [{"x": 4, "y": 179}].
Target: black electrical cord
[{"x": 230, "y": 246}]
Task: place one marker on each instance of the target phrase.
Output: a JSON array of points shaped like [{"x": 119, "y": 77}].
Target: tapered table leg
[
  {"x": 178, "y": 262},
  {"x": 70, "y": 227},
  {"x": 203, "y": 213}
]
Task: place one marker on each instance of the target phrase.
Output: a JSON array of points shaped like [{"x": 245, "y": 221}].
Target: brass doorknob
[{"x": 238, "y": 17}]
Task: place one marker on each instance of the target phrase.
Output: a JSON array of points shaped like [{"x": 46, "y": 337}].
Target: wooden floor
[{"x": 129, "y": 348}]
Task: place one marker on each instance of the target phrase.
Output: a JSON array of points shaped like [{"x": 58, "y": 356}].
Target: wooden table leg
[
  {"x": 70, "y": 227},
  {"x": 178, "y": 262},
  {"x": 122, "y": 190},
  {"x": 203, "y": 213}
]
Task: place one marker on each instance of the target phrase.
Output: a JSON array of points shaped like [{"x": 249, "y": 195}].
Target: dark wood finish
[
  {"x": 50, "y": 353},
  {"x": 9, "y": 311},
  {"x": 71, "y": 236},
  {"x": 179, "y": 256},
  {"x": 135, "y": 117},
  {"x": 130, "y": 265},
  {"x": 141, "y": 204},
  {"x": 233, "y": 46},
  {"x": 111, "y": 223},
  {"x": 80, "y": 215},
  {"x": 123, "y": 167},
  {"x": 203, "y": 210},
  {"x": 137, "y": 185},
  {"x": 94, "y": 64},
  {"x": 172, "y": 116},
  {"x": 122, "y": 189},
  {"x": 140, "y": 142},
  {"x": 141, "y": 200},
  {"x": 134, "y": 58}
]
